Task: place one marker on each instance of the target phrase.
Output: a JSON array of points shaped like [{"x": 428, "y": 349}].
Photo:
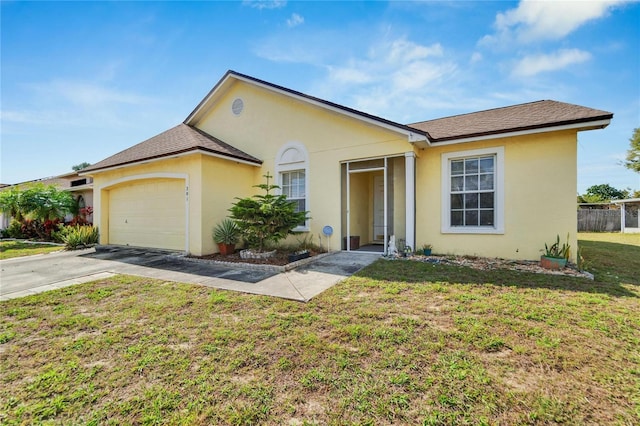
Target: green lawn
[
  {"x": 613, "y": 257},
  {"x": 9, "y": 249},
  {"x": 400, "y": 343}
]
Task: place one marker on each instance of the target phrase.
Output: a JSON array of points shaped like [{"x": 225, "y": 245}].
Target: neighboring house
[
  {"x": 612, "y": 216},
  {"x": 629, "y": 222},
  {"x": 596, "y": 206},
  {"x": 496, "y": 183},
  {"x": 81, "y": 187}
]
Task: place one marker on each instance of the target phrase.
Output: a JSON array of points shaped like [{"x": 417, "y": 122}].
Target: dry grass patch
[{"x": 401, "y": 343}]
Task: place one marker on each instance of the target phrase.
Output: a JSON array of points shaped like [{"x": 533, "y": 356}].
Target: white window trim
[
  {"x": 281, "y": 167},
  {"x": 446, "y": 227}
]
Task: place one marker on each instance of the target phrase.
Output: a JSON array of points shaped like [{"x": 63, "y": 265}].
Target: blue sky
[{"x": 84, "y": 80}]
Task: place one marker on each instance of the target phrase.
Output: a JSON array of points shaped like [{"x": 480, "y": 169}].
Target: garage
[{"x": 148, "y": 213}]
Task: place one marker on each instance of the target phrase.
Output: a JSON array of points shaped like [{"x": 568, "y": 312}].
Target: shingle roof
[
  {"x": 178, "y": 140},
  {"x": 509, "y": 119}
]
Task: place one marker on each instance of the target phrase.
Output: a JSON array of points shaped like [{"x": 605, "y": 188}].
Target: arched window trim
[{"x": 285, "y": 162}]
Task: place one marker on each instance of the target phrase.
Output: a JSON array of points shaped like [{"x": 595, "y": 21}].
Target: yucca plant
[
  {"x": 226, "y": 234},
  {"x": 78, "y": 236}
]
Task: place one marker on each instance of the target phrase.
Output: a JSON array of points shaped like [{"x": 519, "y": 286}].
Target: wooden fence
[{"x": 597, "y": 220}]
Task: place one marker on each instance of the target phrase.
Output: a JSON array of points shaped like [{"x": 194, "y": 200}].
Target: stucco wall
[
  {"x": 212, "y": 184},
  {"x": 222, "y": 181},
  {"x": 270, "y": 120},
  {"x": 540, "y": 179},
  {"x": 539, "y": 176}
]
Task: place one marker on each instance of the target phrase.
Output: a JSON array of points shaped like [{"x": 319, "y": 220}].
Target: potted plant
[
  {"x": 555, "y": 256},
  {"x": 426, "y": 249},
  {"x": 226, "y": 234}
]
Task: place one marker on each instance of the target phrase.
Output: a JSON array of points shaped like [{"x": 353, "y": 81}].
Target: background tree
[
  {"x": 10, "y": 202},
  {"x": 45, "y": 202},
  {"x": 80, "y": 166},
  {"x": 36, "y": 211},
  {"x": 602, "y": 193},
  {"x": 633, "y": 154}
]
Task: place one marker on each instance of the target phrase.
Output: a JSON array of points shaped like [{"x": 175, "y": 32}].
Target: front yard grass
[
  {"x": 613, "y": 257},
  {"x": 10, "y": 249},
  {"x": 399, "y": 343}
]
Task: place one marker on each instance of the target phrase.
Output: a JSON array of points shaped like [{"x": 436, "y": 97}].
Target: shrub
[
  {"x": 58, "y": 235},
  {"x": 15, "y": 229},
  {"x": 31, "y": 229},
  {"x": 76, "y": 237},
  {"x": 265, "y": 219}
]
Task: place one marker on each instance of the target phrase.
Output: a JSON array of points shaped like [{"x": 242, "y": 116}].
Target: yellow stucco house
[{"x": 495, "y": 183}]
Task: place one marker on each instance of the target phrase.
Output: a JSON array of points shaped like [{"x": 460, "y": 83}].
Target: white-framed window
[
  {"x": 292, "y": 171},
  {"x": 294, "y": 187},
  {"x": 473, "y": 191}
]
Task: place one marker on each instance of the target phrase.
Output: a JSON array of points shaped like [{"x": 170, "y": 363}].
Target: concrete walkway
[{"x": 30, "y": 275}]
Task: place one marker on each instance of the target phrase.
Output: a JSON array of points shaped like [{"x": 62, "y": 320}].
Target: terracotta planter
[
  {"x": 552, "y": 262},
  {"x": 226, "y": 249}
]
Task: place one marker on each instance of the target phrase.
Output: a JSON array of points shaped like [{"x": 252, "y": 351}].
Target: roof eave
[
  {"x": 176, "y": 154},
  {"x": 582, "y": 125},
  {"x": 412, "y": 134},
  {"x": 79, "y": 187},
  {"x": 627, "y": 200}
]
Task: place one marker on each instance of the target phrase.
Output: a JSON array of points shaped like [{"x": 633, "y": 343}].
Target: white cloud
[
  {"x": 86, "y": 94},
  {"x": 393, "y": 79},
  {"x": 404, "y": 51},
  {"x": 535, "y": 64},
  {"x": 281, "y": 47},
  {"x": 475, "y": 57},
  {"x": 350, "y": 75},
  {"x": 295, "y": 20},
  {"x": 400, "y": 63},
  {"x": 535, "y": 20},
  {"x": 265, "y": 4},
  {"x": 75, "y": 103}
]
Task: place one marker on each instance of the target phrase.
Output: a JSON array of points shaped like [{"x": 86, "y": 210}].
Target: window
[
  {"x": 292, "y": 171},
  {"x": 472, "y": 191},
  {"x": 293, "y": 186}
]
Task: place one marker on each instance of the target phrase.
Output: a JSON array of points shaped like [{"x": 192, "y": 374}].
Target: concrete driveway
[{"x": 30, "y": 275}]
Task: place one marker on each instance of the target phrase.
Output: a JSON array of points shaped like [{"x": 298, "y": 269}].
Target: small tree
[
  {"x": 36, "y": 210},
  {"x": 10, "y": 202},
  {"x": 46, "y": 202},
  {"x": 266, "y": 218},
  {"x": 632, "y": 161}
]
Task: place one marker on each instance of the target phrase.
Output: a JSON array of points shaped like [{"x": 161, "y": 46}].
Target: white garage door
[{"x": 148, "y": 214}]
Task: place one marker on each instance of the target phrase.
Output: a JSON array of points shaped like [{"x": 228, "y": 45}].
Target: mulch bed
[
  {"x": 481, "y": 263},
  {"x": 485, "y": 264}
]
